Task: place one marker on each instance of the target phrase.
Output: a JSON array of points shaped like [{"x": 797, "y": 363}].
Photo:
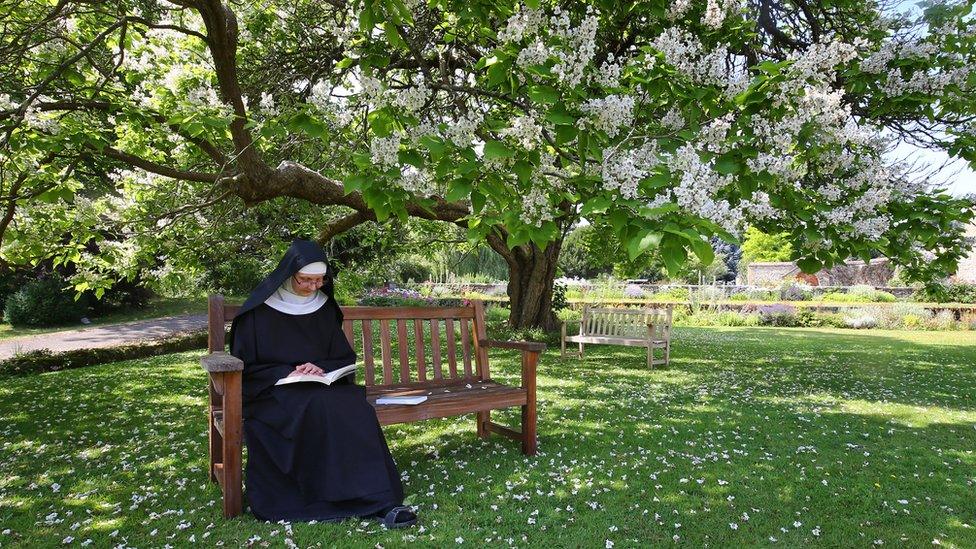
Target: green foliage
[
  {"x": 958, "y": 292},
  {"x": 44, "y": 302},
  {"x": 236, "y": 275},
  {"x": 858, "y": 294},
  {"x": 760, "y": 246},
  {"x": 559, "y": 301}
]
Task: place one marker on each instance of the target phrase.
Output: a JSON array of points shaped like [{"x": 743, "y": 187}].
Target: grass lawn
[
  {"x": 754, "y": 437},
  {"x": 157, "y": 307}
]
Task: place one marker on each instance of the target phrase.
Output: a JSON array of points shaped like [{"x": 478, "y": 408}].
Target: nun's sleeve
[
  {"x": 338, "y": 353},
  {"x": 258, "y": 376}
]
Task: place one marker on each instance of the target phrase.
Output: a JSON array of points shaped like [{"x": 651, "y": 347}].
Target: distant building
[
  {"x": 876, "y": 273},
  {"x": 967, "y": 265}
]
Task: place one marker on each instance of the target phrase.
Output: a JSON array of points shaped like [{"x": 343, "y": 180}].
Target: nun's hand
[{"x": 308, "y": 368}]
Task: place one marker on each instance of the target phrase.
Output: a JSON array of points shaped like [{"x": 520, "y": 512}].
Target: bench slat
[
  {"x": 386, "y": 351},
  {"x": 452, "y": 400},
  {"x": 451, "y": 348},
  {"x": 435, "y": 347},
  {"x": 368, "y": 352},
  {"x": 466, "y": 347},
  {"x": 418, "y": 342},
  {"x": 393, "y": 313},
  {"x": 404, "y": 349}
]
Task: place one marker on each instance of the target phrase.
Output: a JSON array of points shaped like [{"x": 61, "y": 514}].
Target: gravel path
[{"x": 109, "y": 335}]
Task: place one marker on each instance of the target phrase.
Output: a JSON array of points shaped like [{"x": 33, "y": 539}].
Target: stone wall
[
  {"x": 967, "y": 266},
  {"x": 876, "y": 273}
]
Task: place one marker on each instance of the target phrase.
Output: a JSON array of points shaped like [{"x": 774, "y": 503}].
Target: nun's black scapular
[{"x": 314, "y": 452}]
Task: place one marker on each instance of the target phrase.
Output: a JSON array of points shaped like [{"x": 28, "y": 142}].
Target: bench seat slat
[
  {"x": 627, "y": 341},
  {"x": 449, "y": 401}
]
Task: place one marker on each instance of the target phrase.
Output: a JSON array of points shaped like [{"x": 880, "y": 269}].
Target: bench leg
[
  {"x": 529, "y": 440},
  {"x": 650, "y": 356},
  {"x": 581, "y": 350},
  {"x": 483, "y": 418},
  {"x": 233, "y": 426},
  {"x": 216, "y": 442},
  {"x": 667, "y": 353}
]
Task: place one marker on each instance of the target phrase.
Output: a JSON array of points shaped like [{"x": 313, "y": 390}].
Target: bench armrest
[
  {"x": 524, "y": 346},
  {"x": 220, "y": 361}
]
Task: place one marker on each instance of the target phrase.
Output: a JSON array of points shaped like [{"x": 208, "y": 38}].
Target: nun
[{"x": 314, "y": 451}]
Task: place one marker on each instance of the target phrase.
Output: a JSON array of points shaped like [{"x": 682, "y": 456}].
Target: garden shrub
[
  {"x": 739, "y": 296},
  {"x": 235, "y": 275},
  {"x": 45, "y": 360},
  {"x": 633, "y": 291},
  {"x": 671, "y": 294},
  {"x": 45, "y": 302},
  {"x": 795, "y": 291}
]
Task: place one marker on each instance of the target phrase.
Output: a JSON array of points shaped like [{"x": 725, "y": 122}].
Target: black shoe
[{"x": 397, "y": 517}]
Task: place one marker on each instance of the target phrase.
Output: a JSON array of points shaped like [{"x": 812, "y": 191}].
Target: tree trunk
[{"x": 531, "y": 272}]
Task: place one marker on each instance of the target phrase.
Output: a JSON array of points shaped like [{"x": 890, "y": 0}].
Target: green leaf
[
  {"x": 411, "y": 157},
  {"x": 517, "y": 238},
  {"x": 354, "y": 182},
  {"x": 674, "y": 257},
  {"x": 524, "y": 171},
  {"x": 544, "y": 94},
  {"x": 618, "y": 220},
  {"x": 477, "y": 202},
  {"x": 644, "y": 240},
  {"x": 560, "y": 116},
  {"x": 532, "y": 4},
  {"x": 433, "y": 144},
  {"x": 727, "y": 165},
  {"x": 497, "y": 149},
  {"x": 703, "y": 249},
  {"x": 595, "y": 205},
  {"x": 460, "y": 188},
  {"x": 809, "y": 265},
  {"x": 565, "y": 134},
  {"x": 393, "y": 35}
]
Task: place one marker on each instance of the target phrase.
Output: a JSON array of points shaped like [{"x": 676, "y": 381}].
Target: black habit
[{"x": 314, "y": 451}]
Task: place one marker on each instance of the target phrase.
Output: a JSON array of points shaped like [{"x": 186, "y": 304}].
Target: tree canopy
[{"x": 125, "y": 126}]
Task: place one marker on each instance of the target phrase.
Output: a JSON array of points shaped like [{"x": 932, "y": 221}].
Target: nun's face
[{"x": 304, "y": 284}]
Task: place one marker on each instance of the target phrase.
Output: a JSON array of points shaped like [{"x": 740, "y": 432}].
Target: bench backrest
[
  {"x": 610, "y": 322},
  {"x": 399, "y": 346}
]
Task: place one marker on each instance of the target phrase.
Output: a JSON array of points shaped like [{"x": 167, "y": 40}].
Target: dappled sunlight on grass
[{"x": 753, "y": 435}]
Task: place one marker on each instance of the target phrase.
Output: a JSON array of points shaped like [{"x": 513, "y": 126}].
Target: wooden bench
[
  {"x": 649, "y": 327},
  {"x": 455, "y": 377}
]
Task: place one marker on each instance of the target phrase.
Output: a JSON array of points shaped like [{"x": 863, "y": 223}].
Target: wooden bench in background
[
  {"x": 649, "y": 327},
  {"x": 449, "y": 366}
]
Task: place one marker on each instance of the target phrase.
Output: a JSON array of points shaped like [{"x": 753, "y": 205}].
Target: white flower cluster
[
  {"x": 7, "y": 104},
  {"x": 535, "y": 206},
  {"x": 204, "y": 96},
  {"x": 608, "y": 75},
  {"x": 267, "y": 105},
  {"x": 905, "y": 48},
  {"x": 46, "y": 122},
  {"x": 524, "y": 23},
  {"x": 579, "y": 48},
  {"x": 321, "y": 96},
  {"x": 573, "y": 46},
  {"x": 372, "y": 88},
  {"x": 678, "y": 9},
  {"x": 411, "y": 99},
  {"x": 610, "y": 113},
  {"x": 697, "y": 191},
  {"x": 686, "y": 54},
  {"x": 461, "y": 132},
  {"x": 525, "y": 130},
  {"x": 922, "y": 82},
  {"x": 384, "y": 150},
  {"x": 673, "y": 120},
  {"x": 713, "y": 136},
  {"x": 817, "y": 62},
  {"x": 622, "y": 170},
  {"x": 535, "y": 53},
  {"x": 758, "y": 207},
  {"x": 417, "y": 181}
]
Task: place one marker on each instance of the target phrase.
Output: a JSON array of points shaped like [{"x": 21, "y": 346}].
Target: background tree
[{"x": 670, "y": 122}]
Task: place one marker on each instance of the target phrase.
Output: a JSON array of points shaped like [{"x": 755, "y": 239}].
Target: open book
[{"x": 327, "y": 378}]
